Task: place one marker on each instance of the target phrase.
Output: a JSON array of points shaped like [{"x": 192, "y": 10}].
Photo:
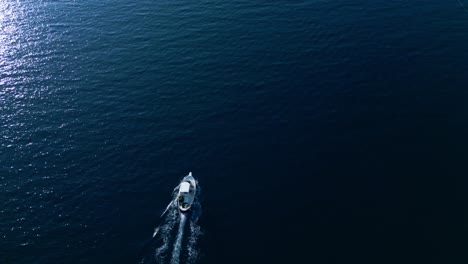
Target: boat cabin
[
  {"x": 185, "y": 195},
  {"x": 184, "y": 187}
]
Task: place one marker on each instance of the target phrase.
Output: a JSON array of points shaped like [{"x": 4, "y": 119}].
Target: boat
[{"x": 187, "y": 191}]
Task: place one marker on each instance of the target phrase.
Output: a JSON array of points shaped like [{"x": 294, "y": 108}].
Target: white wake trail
[
  {"x": 195, "y": 233},
  {"x": 169, "y": 206},
  {"x": 165, "y": 231},
  {"x": 178, "y": 242}
]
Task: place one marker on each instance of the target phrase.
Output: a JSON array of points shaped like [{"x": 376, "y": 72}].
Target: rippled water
[{"x": 321, "y": 131}]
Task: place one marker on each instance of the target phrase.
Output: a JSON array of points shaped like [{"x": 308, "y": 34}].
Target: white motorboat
[{"x": 187, "y": 191}]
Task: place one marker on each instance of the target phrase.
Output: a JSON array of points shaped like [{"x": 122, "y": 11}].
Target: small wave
[{"x": 156, "y": 230}]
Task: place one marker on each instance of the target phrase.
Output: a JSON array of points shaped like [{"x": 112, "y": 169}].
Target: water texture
[{"x": 321, "y": 131}]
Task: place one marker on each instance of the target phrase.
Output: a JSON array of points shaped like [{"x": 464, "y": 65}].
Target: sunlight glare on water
[
  {"x": 14, "y": 47},
  {"x": 10, "y": 34}
]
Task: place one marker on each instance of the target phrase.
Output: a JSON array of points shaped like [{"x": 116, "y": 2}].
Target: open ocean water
[{"x": 320, "y": 131}]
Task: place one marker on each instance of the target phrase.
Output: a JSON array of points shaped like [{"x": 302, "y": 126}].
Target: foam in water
[
  {"x": 178, "y": 241},
  {"x": 165, "y": 232},
  {"x": 195, "y": 233}
]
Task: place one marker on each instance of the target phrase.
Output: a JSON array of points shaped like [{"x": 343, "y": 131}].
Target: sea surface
[{"x": 319, "y": 131}]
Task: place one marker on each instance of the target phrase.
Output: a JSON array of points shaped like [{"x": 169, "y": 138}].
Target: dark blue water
[{"x": 320, "y": 131}]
